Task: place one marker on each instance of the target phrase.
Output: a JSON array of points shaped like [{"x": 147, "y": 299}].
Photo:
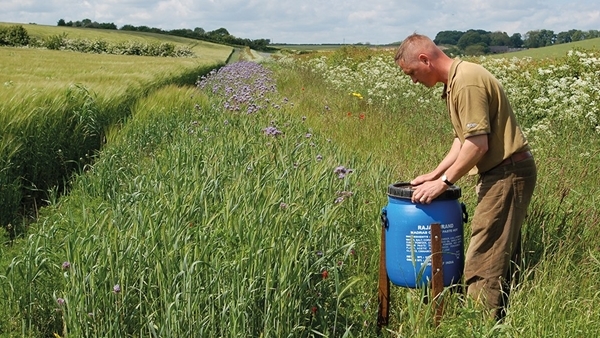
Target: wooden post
[
  {"x": 383, "y": 289},
  {"x": 437, "y": 272}
]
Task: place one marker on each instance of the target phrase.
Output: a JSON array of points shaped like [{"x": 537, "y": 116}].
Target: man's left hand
[{"x": 426, "y": 192}]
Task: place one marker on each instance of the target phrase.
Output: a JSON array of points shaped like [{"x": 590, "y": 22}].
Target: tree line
[
  {"x": 220, "y": 35},
  {"x": 477, "y": 41}
]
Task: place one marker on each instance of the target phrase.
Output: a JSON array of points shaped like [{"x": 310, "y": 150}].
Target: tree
[
  {"x": 499, "y": 39},
  {"x": 539, "y": 38},
  {"x": 448, "y": 37},
  {"x": 548, "y": 37},
  {"x": 218, "y": 32},
  {"x": 473, "y": 37},
  {"x": 593, "y": 33},
  {"x": 578, "y": 35},
  {"x": 61, "y": 22},
  {"x": 128, "y": 28},
  {"x": 516, "y": 40}
]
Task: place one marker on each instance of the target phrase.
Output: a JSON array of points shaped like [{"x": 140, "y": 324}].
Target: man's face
[{"x": 418, "y": 71}]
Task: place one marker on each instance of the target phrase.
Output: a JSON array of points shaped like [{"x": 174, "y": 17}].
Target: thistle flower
[
  {"x": 117, "y": 288},
  {"x": 60, "y": 301},
  {"x": 342, "y": 171},
  {"x": 271, "y": 131},
  {"x": 66, "y": 265}
]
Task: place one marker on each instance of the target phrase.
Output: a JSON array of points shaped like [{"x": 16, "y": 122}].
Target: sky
[{"x": 317, "y": 21}]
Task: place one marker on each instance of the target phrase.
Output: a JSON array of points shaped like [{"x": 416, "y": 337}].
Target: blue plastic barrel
[{"x": 408, "y": 236}]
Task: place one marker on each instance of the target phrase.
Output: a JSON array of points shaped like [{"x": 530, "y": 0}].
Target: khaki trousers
[{"x": 494, "y": 250}]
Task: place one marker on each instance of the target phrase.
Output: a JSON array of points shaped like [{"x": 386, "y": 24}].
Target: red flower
[
  {"x": 314, "y": 310},
  {"x": 325, "y": 274},
  {"x": 349, "y": 114},
  {"x": 361, "y": 116}
]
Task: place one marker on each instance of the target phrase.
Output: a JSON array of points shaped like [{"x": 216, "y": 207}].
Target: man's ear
[{"x": 424, "y": 58}]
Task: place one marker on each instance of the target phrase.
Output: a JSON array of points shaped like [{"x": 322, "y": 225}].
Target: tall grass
[
  {"x": 210, "y": 227},
  {"x": 222, "y": 212},
  {"x": 558, "y": 103},
  {"x": 54, "y": 114}
]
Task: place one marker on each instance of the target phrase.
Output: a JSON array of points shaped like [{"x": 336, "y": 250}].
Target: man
[{"x": 488, "y": 142}]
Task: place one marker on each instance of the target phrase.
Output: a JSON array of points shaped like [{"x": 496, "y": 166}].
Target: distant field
[
  {"x": 114, "y": 36},
  {"x": 24, "y": 70},
  {"x": 536, "y": 53},
  {"x": 554, "y": 51}
]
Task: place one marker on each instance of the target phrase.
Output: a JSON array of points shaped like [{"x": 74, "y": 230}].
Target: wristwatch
[{"x": 445, "y": 179}]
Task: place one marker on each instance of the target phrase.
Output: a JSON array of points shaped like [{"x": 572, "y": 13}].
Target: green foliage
[
  {"x": 540, "y": 38},
  {"x": 55, "y": 42},
  {"x": 447, "y": 37},
  {"x": 99, "y": 46},
  {"x": 13, "y": 36},
  {"x": 200, "y": 218}
]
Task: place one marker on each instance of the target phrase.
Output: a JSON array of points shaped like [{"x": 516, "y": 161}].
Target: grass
[
  {"x": 555, "y": 51},
  {"x": 55, "y": 107},
  {"x": 202, "y": 218}
]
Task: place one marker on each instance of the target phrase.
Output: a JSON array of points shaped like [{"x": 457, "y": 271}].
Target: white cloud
[{"x": 317, "y": 21}]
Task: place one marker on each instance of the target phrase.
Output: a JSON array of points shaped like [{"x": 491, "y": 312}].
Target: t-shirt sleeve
[{"x": 474, "y": 112}]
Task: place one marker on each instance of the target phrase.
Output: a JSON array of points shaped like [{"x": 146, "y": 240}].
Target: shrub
[
  {"x": 13, "y": 36},
  {"x": 56, "y": 42}
]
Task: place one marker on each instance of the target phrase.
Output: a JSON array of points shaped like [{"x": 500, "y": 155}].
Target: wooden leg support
[
  {"x": 383, "y": 288},
  {"x": 437, "y": 272}
]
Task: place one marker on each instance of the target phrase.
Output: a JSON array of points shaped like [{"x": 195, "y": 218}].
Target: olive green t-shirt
[{"x": 478, "y": 105}]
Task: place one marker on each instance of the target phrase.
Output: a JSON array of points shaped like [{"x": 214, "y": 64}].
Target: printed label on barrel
[{"x": 418, "y": 242}]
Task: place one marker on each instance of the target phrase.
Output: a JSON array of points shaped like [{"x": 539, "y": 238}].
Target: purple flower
[
  {"x": 308, "y": 135},
  {"x": 283, "y": 205},
  {"x": 271, "y": 131},
  {"x": 60, "y": 301},
  {"x": 319, "y": 157},
  {"x": 319, "y": 253},
  {"x": 244, "y": 85},
  {"x": 117, "y": 288},
  {"x": 342, "y": 195},
  {"x": 342, "y": 171},
  {"x": 66, "y": 265}
]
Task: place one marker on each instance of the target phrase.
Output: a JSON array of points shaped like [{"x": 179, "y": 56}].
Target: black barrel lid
[{"x": 405, "y": 190}]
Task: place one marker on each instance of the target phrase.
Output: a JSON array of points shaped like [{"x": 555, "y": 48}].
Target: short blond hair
[{"x": 412, "y": 46}]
